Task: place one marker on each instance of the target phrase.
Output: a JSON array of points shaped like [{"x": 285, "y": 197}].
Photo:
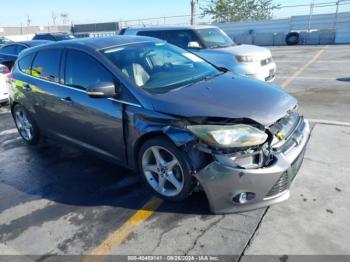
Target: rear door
[
  {"x": 23, "y": 89},
  {"x": 45, "y": 88}
]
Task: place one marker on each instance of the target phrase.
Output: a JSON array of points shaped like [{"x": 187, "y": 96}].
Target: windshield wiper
[{"x": 206, "y": 78}]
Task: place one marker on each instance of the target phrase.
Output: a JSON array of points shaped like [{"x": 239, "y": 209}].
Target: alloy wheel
[
  {"x": 24, "y": 126},
  {"x": 163, "y": 171}
]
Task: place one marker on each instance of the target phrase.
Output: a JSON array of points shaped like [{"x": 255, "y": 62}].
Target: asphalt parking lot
[{"x": 57, "y": 200}]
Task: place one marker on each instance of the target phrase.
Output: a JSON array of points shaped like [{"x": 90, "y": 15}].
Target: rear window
[
  {"x": 25, "y": 64},
  {"x": 46, "y": 65}
]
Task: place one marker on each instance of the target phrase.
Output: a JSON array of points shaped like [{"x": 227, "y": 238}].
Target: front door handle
[
  {"x": 66, "y": 100},
  {"x": 27, "y": 87}
]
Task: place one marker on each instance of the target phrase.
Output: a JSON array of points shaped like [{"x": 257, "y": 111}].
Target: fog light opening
[{"x": 243, "y": 197}]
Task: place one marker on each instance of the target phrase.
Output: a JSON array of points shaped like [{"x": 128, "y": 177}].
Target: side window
[
  {"x": 25, "y": 64},
  {"x": 9, "y": 50},
  {"x": 82, "y": 71},
  {"x": 46, "y": 65},
  {"x": 180, "y": 38},
  {"x": 43, "y": 37},
  {"x": 156, "y": 34}
]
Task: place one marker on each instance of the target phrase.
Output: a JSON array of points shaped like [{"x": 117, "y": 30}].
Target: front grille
[
  {"x": 269, "y": 78},
  {"x": 266, "y": 61},
  {"x": 281, "y": 185}
]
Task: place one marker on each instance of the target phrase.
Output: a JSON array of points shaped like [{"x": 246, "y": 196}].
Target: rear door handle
[
  {"x": 66, "y": 100},
  {"x": 27, "y": 87}
]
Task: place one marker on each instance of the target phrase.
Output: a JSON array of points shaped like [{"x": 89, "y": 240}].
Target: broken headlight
[{"x": 229, "y": 136}]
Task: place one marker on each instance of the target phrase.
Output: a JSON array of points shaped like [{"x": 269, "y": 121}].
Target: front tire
[
  {"x": 165, "y": 170},
  {"x": 25, "y": 125}
]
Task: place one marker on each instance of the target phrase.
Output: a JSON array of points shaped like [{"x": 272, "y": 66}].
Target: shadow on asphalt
[{"x": 66, "y": 175}]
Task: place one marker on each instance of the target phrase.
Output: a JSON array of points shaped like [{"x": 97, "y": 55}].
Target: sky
[{"x": 15, "y": 12}]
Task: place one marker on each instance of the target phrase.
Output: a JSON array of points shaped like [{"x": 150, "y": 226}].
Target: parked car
[
  {"x": 9, "y": 53},
  {"x": 4, "y": 41},
  {"x": 4, "y": 93},
  {"x": 53, "y": 36},
  {"x": 153, "y": 107},
  {"x": 212, "y": 44}
]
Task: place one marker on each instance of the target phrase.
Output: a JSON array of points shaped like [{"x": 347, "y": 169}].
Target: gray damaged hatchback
[{"x": 180, "y": 121}]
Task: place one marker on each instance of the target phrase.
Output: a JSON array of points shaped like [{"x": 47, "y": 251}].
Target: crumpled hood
[
  {"x": 251, "y": 50},
  {"x": 227, "y": 96}
]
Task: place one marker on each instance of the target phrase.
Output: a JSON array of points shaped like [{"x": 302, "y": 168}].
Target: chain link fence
[{"x": 306, "y": 13}]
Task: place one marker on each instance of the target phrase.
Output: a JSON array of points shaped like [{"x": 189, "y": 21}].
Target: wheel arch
[
  {"x": 141, "y": 140},
  {"x": 177, "y": 136}
]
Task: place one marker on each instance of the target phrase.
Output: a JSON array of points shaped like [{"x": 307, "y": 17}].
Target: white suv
[{"x": 212, "y": 44}]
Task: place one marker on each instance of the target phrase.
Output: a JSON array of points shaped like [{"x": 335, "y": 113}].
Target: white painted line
[
  {"x": 286, "y": 83},
  {"x": 308, "y": 77},
  {"x": 318, "y": 61},
  {"x": 6, "y": 112},
  {"x": 329, "y": 122},
  {"x": 8, "y": 132}
]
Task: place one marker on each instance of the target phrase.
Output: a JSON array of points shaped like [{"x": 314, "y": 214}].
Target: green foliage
[{"x": 239, "y": 10}]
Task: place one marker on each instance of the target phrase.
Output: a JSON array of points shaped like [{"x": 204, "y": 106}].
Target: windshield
[
  {"x": 159, "y": 67},
  {"x": 214, "y": 38}
]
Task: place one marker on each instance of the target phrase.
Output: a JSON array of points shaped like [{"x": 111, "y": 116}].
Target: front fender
[{"x": 178, "y": 136}]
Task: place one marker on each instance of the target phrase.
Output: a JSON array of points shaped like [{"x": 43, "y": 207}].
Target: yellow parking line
[
  {"x": 302, "y": 69},
  {"x": 118, "y": 236}
]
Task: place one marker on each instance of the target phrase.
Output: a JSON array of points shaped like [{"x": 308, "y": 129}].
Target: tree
[{"x": 238, "y": 10}]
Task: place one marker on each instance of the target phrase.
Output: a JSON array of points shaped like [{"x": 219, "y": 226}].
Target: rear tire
[
  {"x": 26, "y": 125},
  {"x": 292, "y": 38},
  {"x": 165, "y": 170}
]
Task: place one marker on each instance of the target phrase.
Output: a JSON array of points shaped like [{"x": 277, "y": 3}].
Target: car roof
[
  {"x": 97, "y": 43},
  {"x": 177, "y": 27},
  {"x": 54, "y": 34},
  {"x": 30, "y": 43}
]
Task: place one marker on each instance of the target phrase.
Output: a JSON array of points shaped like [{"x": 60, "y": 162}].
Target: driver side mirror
[
  {"x": 103, "y": 90},
  {"x": 193, "y": 45}
]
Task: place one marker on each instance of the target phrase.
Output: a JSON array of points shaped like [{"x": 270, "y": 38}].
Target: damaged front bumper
[{"x": 231, "y": 189}]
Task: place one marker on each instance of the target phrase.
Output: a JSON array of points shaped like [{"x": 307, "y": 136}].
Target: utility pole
[
  {"x": 28, "y": 20},
  {"x": 310, "y": 15},
  {"x": 193, "y": 11},
  {"x": 54, "y": 17}
]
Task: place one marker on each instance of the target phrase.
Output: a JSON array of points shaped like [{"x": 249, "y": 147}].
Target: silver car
[{"x": 212, "y": 44}]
